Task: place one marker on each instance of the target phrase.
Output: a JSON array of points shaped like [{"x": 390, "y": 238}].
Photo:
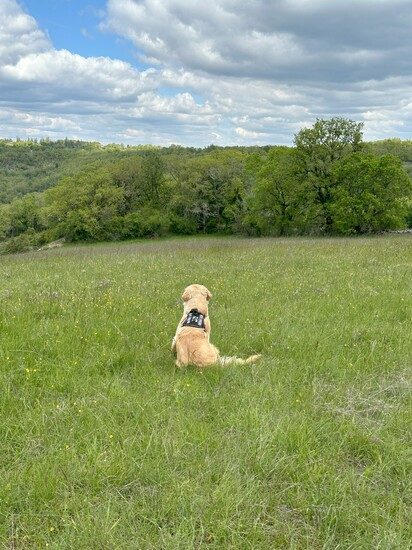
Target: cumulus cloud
[
  {"x": 49, "y": 92},
  {"x": 293, "y": 39},
  {"x": 19, "y": 33},
  {"x": 269, "y": 68},
  {"x": 249, "y": 133},
  {"x": 70, "y": 75},
  {"x": 223, "y": 71}
]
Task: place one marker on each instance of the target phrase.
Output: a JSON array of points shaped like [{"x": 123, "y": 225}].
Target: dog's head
[{"x": 196, "y": 291}]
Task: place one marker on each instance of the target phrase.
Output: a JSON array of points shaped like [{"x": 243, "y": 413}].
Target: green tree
[
  {"x": 281, "y": 202},
  {"x": 209, "y": 191},
  {"x": 85, "y": 207},
  {"x": 128, "y": 174},
  {"x": 24, "y": 213},
  {"x": 4, "y": 221},
  {"x": 370, "y": 194},
  {"x": 152, "y": 185},
  {"x": 318, "y": 149}
]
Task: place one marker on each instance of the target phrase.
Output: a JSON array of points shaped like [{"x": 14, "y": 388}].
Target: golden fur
[{"x": 192, "y": 345}]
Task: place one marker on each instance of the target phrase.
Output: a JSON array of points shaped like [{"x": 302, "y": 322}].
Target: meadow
[{"x": 104, "y": 444}]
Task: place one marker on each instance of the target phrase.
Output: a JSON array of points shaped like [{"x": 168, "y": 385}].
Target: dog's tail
[{"x": 225, "y": 361}]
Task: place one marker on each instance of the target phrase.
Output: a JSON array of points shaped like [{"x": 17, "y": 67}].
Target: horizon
[
  {"x": 143, "y": 72},
  {"x": 47, "y": 139}
]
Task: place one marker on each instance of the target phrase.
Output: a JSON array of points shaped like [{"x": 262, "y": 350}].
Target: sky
[{"x": 228, "y": 72}]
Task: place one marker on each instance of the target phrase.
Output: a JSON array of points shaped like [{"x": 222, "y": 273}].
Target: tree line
[{"x": 329, "y": 182}]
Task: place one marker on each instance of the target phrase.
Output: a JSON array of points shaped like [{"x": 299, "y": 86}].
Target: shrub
[
  {"x": 182, "y": 226},
  {"x": 22, "y": 243},
  {"x": 80, "y": 225},
  {"x": 145, "y": 222},
  {"x": 409, "y": 216}
]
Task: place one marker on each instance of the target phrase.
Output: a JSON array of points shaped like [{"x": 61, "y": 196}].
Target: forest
[{"x": 329, "y": 182}]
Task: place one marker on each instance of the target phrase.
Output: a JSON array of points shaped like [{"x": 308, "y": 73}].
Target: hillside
[{"x": 28, "y": 166}]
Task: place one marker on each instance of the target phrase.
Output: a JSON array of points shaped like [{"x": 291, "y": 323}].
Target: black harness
[{"x": 194, "y": 319}]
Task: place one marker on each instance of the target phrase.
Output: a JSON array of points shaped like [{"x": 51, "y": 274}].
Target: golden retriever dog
[{"x": 191, "y": 343}]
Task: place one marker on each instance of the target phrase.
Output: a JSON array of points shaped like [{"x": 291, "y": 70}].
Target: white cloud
[
  {"x": 19, "y": 33},
  {"x": 98, "y": 77},
  {"x": 44, "y": 122},
  {"x": 291, "y": 40},
  {"x": 248, "y": 133},
  {"x": 211, "y": 37}
]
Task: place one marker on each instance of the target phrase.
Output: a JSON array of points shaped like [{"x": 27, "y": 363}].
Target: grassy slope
[{"x": 104, "y": 444}]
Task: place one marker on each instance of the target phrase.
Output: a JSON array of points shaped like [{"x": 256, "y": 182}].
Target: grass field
[{"x": 105, "y": 444}]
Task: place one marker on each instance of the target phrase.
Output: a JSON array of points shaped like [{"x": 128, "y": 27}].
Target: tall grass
[{"x": 104, "y": 444}]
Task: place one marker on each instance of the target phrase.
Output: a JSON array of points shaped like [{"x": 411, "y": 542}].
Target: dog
[{"x": 191, "y": 343}]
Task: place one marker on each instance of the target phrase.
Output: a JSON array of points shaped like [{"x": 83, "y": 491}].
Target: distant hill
[
  {"x": 28, "y": 166},
  {"x": 31, "y": 165}
]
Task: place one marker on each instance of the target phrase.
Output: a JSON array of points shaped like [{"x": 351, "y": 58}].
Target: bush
[
  {"x": 182, "y": 226},
  {"x": 22, "y": 243},
  {"x": 146, "y": 222},
  {"x": 255, "y": 225},
  {"x": 409, "y": 216},
  {"x": 80, "y": 225}
]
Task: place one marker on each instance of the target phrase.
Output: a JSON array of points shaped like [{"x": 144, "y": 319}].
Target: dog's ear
[
  {"x": 186, "y": 295},
  {"x": 208, "y": 294}
]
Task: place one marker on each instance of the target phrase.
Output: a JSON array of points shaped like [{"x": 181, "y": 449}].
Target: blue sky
[
  {"x": 195, "y": 73},
  {"x": 74, "y": 25}
]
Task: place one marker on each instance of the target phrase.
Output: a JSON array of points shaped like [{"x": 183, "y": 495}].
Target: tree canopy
[{"x": 329, "y": 182}]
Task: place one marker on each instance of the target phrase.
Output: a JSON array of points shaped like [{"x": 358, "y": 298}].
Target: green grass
[{"x": 104, "y": 444}]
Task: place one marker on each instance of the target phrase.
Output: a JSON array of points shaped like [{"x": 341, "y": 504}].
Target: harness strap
[{"x": 194, "y": 319}]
